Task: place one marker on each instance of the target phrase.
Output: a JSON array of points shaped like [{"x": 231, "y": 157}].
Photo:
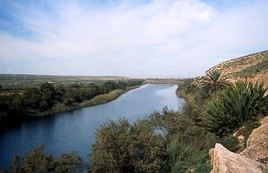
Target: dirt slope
[{"x": 252, "y": 67}]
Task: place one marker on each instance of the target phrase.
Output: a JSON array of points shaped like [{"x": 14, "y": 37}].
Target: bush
[
  {"x": 68, "y": 101},
  {"x": 38, "y": 162},
  {"x": 234, "y": 106},
  {"x": 247, "y": 129},
  {"x": 230, "y": 142},
  {"x": 163, "y": 142},
  {"x": 121, "y": 147},
  {"x": 184, "y": 156},
  {"x": 202, "y": 168}
]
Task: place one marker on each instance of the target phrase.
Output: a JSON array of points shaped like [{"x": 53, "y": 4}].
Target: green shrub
[
  {"x": 234, "y": 106},
  {"x": 159, "y": 143},
  {"x": 122, "y": 147},
  {"x": 202, "y": 168},
  {"x": 247, "y": 129},
  {"x": 230, "y": 142},
  {"x": 36, "y": 161},
  {"x": 184, "y": 156}
]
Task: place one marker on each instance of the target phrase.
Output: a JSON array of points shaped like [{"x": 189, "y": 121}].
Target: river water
[{"x": 75, "y": 130}]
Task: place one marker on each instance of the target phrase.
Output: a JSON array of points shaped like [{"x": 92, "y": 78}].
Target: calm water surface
[{"x": 75, "y": 131}]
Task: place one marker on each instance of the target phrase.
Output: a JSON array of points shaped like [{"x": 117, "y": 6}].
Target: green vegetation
[
  {"x": 99, "y": 99},
  {"x": 122, "y": 147},
  {"x": 165, "y": 141},
  {"x": 179, "y": 141},
  {"x": 176, "y": 141},
  {"x": 213, "y": 82},
  {"x": 254, "y": 69},
  {"x": 37, "y": 162},
  {"x": 234, "y": 106},
  {"x": 103, "y": 98},
  {"x": 49, "y": 98},
  {"x": 21, "y": 81},
  {"x": 160, "y": 143}
]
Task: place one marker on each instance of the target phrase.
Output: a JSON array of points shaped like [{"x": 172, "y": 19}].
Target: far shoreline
[{"x": 97, "y": 100}]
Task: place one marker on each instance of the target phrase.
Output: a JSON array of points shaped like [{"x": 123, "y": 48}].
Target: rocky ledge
[
  {"x": 253, "y": 159},
  {"x": 257, "y": 144}
]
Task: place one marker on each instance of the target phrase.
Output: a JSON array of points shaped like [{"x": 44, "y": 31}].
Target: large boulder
[
  {"x": 257, "y": 144},
  {"x": 225, "y": 161}
]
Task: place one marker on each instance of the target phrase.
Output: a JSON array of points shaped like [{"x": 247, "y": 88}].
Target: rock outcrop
[
  {"x": 225, "y": 161},
  {"x": 257, "y": 143}
]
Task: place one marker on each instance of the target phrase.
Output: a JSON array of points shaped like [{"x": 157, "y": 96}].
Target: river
[{"x": 75, "y": 130}]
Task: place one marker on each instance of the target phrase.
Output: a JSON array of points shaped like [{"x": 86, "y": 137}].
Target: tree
[
  {"x": 48, "y": 95},
  {"x": 108, "y": 86},
  {"x": 16, "y": 165},
  {"x": 36, "y": 161},
  {"x": 121, "y": 147},
  {"x": 68, "y": 163},
  {"x": 214, "y": 81},
  {"x": 60, "y": 92},
  {"x": 15, "y": 106},
  {"x": 32, "y": 98},
  {"x": 11, "y": 110},
  {"x": 121, "y": 85},
  {"x": 68, "y": 101},
  {"x": 73, "y": 94},
  {"x": 111, "y": 152}
]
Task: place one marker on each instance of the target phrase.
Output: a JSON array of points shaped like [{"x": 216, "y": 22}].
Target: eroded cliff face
[{"x": 253, "y": 159}]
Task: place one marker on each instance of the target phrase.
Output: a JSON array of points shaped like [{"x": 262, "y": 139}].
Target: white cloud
[{"x": 160, "y": 38}]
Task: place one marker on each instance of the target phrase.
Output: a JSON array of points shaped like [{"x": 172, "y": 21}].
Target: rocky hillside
[
  {"x": 254, "y": 158},
  {"x": 252, "y": 67}
]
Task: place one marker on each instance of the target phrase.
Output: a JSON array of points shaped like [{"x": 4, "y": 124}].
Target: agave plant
[
  {"x": 214, "y": 81},
  {"x": 234, "y": 106}
]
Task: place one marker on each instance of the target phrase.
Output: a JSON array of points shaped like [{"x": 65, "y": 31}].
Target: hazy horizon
[
  {"x": 160, "y": 77},
  {"x": 130, "y": 77},
  {"x": 144, "y": 38}
]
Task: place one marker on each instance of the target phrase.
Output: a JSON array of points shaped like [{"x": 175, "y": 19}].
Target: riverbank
[
  {"x": 186, "y": 91},
  {"x": 75, "y": 130},
  {"x": 97, "y": 100}
]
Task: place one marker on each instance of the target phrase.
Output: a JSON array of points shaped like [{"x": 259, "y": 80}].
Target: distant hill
[
  {"x": 252, "y": 67},
  {"x": 24, "y": 80}
]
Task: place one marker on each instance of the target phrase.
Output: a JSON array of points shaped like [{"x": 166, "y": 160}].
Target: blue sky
[{"x": 141, "y": 38}]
